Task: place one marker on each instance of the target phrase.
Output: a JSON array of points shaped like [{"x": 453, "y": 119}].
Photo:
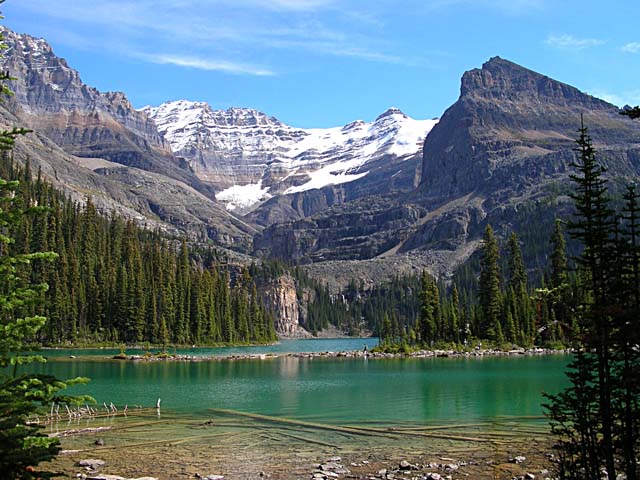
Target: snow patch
[
  {"x": 326, "y": 176},
  {"x": 243, "y": 196},
  {"x": 266, "y": 146},
  {"x": 410, "y": 137}
]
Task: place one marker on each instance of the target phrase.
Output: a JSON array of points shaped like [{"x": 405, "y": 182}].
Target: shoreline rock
[{"x": 350, "y": 354}]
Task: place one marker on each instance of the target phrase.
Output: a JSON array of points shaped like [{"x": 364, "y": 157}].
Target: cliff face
[
  {"x": 78, "y": 118},
  {"x": 358, "y": 230},
  {"x": 513, "y": 128},
  {"x": 281, "y": 298},
  {"x": 507, "y": 145},
  {"x": 93, "y": 143}
]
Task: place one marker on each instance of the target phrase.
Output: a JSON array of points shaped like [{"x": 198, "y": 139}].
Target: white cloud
[
  {"x": 632, "y": 47},
  {"x": 246, "y": 30},
  {"x": 205, "y": 64},
  {"x": 620, "y": 98},
  {"x": 570, "y": 42}
]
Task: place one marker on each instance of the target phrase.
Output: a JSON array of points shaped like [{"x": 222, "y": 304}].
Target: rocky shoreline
[
  {"x": 363, "y": 354},
  {"x": 371, "y": 467}
]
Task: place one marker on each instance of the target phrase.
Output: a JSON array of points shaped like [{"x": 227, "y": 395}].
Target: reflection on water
[
  {"x": 330, "y": 390},
  {"x": 353, "y": 407}
]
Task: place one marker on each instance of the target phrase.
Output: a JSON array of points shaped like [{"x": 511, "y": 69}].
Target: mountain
[
  {"x": 515, "y": 128},
  {"x": 365, "y": 200},
  {"x": 97, "y": 144},
  {"x": 501, "y": 154},
  {"x": 249, "y": 157}
]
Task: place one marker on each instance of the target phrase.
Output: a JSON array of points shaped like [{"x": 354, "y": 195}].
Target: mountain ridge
[
  {"x": 505, "y": 146},
  {"x": 249, "y": 156},
  {"x": 382, "y": 193},
  {"x": 95, "y": 144}
]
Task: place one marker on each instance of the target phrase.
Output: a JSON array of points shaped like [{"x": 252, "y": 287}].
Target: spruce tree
[
  {"x": 593, "y": 369},
  {"x": 489, "y": 285},
  {"x": 631, "y": 112},
  {"x": 628, "y": 357},
  {"x": 22, "y": 444}
]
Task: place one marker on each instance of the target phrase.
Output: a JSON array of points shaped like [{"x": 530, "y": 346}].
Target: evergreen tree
[
  {"x": 489, "y": 293},
  {"x": 631, "y": 112},
  {"x": 559, "y": 282},
  {"x": 596, "y": 417},
  {"x": 517, "y": 272},
  {"x": 429, "y": 310},
  {"x": 627, "y": 372},
  {"x": 558, "y": 257}
]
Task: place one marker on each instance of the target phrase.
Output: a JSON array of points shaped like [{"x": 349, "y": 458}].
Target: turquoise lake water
[{"x": 330, "y": 390}]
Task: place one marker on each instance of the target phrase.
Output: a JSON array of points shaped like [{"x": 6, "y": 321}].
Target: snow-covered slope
[{"x": 249, "y": 156}]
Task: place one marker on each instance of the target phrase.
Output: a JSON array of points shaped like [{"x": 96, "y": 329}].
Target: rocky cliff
[
  {"x": 281, "y": 297},
  {"x": 504, "y": 148},
  {"x": 97, "y": 144},
  {"x": 514, "y": 129}
]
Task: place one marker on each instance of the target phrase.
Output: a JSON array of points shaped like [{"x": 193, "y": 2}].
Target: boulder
[{"x": 92, "y": 463}]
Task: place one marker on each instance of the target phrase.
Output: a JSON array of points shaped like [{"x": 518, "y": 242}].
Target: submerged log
[{"x": 364, "y": 431}]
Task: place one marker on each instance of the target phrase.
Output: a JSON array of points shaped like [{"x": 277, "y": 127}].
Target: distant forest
[{"x": 115, "y": 282}]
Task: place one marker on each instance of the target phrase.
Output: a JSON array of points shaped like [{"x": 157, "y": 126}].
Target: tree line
[
  {"x": 113, "y": 281},
  {"x": 501, "y": 305}
]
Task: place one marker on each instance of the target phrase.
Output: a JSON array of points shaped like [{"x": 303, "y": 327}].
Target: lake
[
  {"x": 334, "y": 390},
  {"x": 282, "y": 415}
]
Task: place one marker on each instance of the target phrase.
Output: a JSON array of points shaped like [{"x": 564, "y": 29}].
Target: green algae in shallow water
[
  {"x": 240, "y": 446},
  {"x": 494, "y": 399}
]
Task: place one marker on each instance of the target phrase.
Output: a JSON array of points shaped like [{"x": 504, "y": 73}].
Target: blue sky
[{"x": 320, "y": 63}]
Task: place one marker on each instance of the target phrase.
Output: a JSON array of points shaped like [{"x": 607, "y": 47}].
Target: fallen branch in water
[
  {"x": 441, "y": 436},
  {"x": 308, "y": 440},
  {"x": 79, "y": 431},
  {"x": 300, "y": 423},
  {"x": 364, "y": 431}
]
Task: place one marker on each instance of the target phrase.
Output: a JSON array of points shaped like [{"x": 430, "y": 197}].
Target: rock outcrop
[
  {"x": 280, "y": 297},
  {"x": 501, "y": 153},
  {"x": 358, "y": 230},
  {"x": 96, "y": 144},
  {"x": 514, "y": 129}
]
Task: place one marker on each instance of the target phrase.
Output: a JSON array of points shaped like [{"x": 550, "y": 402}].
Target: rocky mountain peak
[
  {"x": 46, "y": 85},
  {"x": 391, "y": 112},
  {"x": 26, "y": 44},
  {"x": 181, "y": 113},
  {"x": 243, "y": 117},
  {"x": 509, "y": 125},
  {"x": 249, "y": 156},
  {"x": 501, "y": 79}
]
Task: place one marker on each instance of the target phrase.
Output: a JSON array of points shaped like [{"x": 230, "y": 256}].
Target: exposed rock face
[
  {"x": 513, "y": 128},
  {"x": 506, "y": 143},
  {"x": 387, "y": 175},
  {"x": 45, "y": 84},
  {"x": 281, "y": 298},
  {"x": 92, "y": 143},
  {"x": 250, "y": 157},
  {"x": 358, "y": 230},
  {"x": 80, "y": 119}
]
